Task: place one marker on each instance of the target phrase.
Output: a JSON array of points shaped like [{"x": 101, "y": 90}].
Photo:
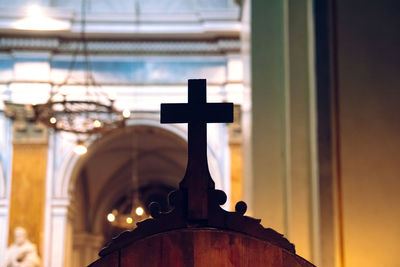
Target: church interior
[{"x": 314, "y": 148}]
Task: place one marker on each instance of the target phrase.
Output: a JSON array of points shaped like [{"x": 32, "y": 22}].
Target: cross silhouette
[{"x": 197, "y": 113}]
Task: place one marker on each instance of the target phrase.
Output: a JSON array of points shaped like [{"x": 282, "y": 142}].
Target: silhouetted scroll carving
[{"x": 197, "y": 203}]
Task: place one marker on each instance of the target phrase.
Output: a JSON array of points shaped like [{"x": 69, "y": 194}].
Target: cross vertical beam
[{"x": 197, "y": 113}]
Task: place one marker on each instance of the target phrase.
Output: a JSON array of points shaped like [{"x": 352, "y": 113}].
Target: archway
[
  {"x": 155, "y": 157},
  {"x": 74, "y": 234}
]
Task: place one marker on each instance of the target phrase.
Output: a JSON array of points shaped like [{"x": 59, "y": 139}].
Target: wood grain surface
[{"x": 205, "y": 248}]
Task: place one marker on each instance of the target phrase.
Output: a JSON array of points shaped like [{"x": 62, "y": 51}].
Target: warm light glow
[
  {"x": 53, "y": 120},
  {"x": 80, "y": 149},
  {"x": 97, "y": 124},
  {"x": 34, "y": 11},
  {"x": 37, "y": 20},
  {"x": 126, "y": 113},
  {"x": 110, "y": 217},
  {"x": 129, "y": 220},
  {"x": 139, "y": 211}
]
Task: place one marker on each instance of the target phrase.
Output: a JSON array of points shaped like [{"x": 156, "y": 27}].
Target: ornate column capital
[{"x": 25, "y": 129}]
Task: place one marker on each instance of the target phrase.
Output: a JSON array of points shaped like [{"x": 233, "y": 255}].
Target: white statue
[{"x": 22, "y": 253}]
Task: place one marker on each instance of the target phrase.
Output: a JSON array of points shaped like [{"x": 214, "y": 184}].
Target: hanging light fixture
[
  {"x": 82, "y": 112},
  {"x": 130, "y": 210},
  {"x": 37, "y": 19},
  {"x": 80, "y": 148},
  {"x": 127, "y": 212},
  {"x": 89, "y": 115}
]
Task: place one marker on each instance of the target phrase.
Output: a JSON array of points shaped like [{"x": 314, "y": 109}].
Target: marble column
[{"x": 283, "y": 181}]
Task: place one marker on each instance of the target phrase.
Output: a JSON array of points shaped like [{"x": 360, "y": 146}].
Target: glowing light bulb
[
  {"x": 36, "y": 19},
  {"x": 53, "y": 120},
  {"x": 80, "y": 149},
  {"x": 97, "y": 124},
  {"x": 129, "y": 220},
  {"x": 139, "y": 211},
  {"x": 126, "y": 113},
  {"x": 110, "y": 217},
  {"x": 34, "y": 11}
]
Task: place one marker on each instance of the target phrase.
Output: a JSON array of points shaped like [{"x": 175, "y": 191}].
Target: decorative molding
[
  {"x": 25, "y": 129},
  {"x": 220, "y": 46},
  {"x": 150, "y": 14},
  {"x": 28, "y": 43},
  {"x": 212, "y": 22}
]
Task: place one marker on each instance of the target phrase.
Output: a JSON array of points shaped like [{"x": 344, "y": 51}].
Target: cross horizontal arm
[{"x": 197, "y": 113}]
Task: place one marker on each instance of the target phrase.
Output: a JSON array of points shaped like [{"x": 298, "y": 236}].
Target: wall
[{"x": 369, "y": 126}]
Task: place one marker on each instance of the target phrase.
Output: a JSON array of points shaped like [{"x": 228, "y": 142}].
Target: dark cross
[{"x": 197, "y": 113}]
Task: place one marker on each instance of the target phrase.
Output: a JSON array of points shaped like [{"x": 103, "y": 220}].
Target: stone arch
[
  {"x": 64, "y": 175},
  {"x": 67, "y": 174}
]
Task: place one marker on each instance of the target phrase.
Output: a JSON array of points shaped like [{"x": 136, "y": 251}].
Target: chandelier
[
  {"x": 127, "y": 212},
  {"x": 87, "y": 115},
  {"x": 82, "y": 111},
  {"x": 130, "y": 210}
]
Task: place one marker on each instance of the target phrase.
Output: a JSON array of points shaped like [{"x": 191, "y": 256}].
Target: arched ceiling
[{"x": 155, "y": 155}]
